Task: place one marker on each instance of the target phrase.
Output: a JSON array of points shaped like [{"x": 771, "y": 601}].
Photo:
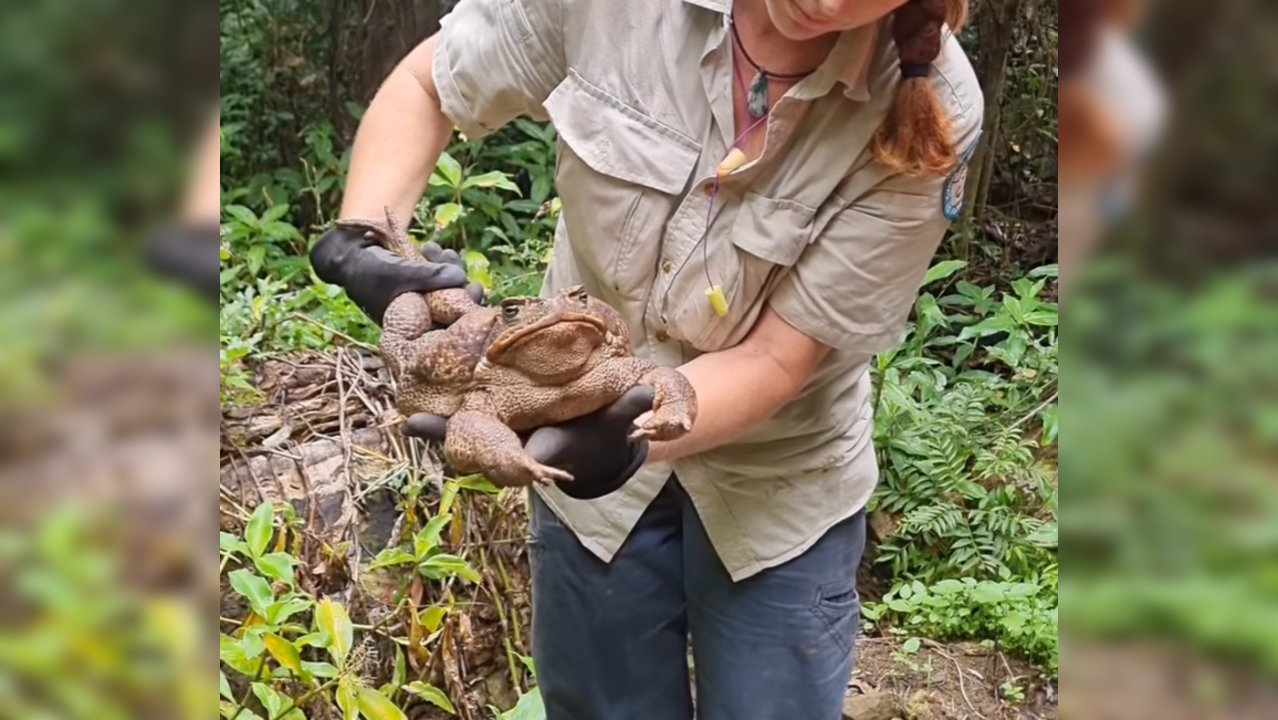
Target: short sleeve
[
  {"x": 496, "y": 60},
  {"x": 854, "y": 286}
]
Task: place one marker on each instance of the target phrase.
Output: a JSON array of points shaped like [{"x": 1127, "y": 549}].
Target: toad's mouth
[{"x": 511, "y": 338}]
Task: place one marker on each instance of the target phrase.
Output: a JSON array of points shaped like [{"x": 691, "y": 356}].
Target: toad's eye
[
  {"x": 580, "y": 296},
  {"x": 510, "y": 312}
]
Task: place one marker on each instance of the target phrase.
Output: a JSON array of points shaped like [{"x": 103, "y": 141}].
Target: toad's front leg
[
  {"x": 478, "y": 443},
  {"x": 674, "y": 405}
]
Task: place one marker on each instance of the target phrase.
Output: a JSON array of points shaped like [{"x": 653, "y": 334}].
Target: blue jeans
[{"x": 610, "y": 640}]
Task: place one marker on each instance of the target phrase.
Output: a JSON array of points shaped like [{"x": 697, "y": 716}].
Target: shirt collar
[{"x": 848, "y": 62}]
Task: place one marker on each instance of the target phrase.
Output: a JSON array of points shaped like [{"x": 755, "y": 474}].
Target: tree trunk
[
  {"x": 383, "y": 35},
  {"x": 995, "y": 24}
]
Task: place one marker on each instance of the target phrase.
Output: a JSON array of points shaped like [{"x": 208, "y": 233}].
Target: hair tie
[{"x": 915, "y": 69}]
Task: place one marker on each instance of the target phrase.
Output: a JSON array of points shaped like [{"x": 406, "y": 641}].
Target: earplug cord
[{"x": 714, "y": 189}]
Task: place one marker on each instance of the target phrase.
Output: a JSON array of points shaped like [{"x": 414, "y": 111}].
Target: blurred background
[{"x": 1166, "y": 180}]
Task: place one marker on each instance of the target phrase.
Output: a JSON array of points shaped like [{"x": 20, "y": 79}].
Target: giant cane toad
[{"x": 496, "y": 372}]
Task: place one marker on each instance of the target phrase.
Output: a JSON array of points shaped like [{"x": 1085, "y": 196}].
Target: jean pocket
[{"x": 838, "y": 605}]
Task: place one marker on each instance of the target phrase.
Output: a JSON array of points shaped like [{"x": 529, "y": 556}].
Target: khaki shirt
[{"x": 640, "y": 94}]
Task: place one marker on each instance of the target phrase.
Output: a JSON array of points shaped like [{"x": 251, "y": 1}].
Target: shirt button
[
  {"x": 667, "y": 266},
  {"x": 662, "y": 336}
]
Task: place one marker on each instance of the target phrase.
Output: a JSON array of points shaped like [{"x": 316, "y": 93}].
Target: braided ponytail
[
  {"x": 914, "y": 138},
  {"x": 1086, "y": 141}
]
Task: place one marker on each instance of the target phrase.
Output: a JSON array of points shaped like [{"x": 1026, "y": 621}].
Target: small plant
[{"x": 1012, "y": 691}]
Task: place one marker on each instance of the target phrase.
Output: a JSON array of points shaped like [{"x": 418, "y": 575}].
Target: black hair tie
[{"x": 915, "y": 69}]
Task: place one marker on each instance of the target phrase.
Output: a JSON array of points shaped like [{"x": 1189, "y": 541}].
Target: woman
[{"x": 758, "y": 187}]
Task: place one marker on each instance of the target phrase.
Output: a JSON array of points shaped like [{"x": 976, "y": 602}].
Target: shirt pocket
[
  {"x": 763, "y": 239},
  {"x": 620, "y": 172}
]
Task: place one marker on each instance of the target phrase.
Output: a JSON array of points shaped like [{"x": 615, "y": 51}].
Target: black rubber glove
[
  {"x": 373, "y": 276},
  {"x": 188, "y": 253},
  {"x": 595, "y": 448}
]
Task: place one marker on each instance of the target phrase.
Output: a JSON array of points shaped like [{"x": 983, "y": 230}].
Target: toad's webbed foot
[
  {"x": 674, "y": 406},
  {"x": 476, "y": 442}
]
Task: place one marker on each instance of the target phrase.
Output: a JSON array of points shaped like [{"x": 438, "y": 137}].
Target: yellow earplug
[
  {"x": 734, "y": 160},
  {"x": 717, "y": 300}
]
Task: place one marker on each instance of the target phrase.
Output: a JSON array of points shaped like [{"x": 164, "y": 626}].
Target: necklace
[{"x": 757, "y": 94}]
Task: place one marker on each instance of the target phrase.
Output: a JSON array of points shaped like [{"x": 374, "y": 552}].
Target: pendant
[{"x": 757, "y": 97}]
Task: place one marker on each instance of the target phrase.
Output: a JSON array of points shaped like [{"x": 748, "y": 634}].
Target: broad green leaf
[
  {"x": 1046, "y": 318},
  {"x": 231, "y": 652},
  {"x": 529, "y": 707},
  {"x": 942, "y": 270},
  {"x": 252, "y": 642},
  {"x": 477, "y": 268},
  {"x": 496, "y": 178},
  {"x": 433, "y": 616},
  {"x": 912, "y": 645},
  {"x": 274, "y": 213},
  {"x": 346, "y": 700},
  {"x": 275, "y": 703},
  {"x": 431, "y": 694},
  {"x": 224, "y": 686},
  {"x": 281, "y": 231},
  {"x": 230, "y": 544},
  {"x": 449, "y": 169},
  {"x": 242, "y": 214},
  {"x": 252, "y": 588},
  {"x": 391, "y": 556},
  {"x": 528, "y": 663},
  {"x": 283, "y": 651},
  {"x": 331, "y": 617},
  {"x": 988, "y": 326},
  {"x": 278, "y": 566},
  {"x": 452, "y": 564},
  {"x": 428, "y": 537},
  {"x": 376, "y": 706},
  {"x": 447, "y": 214},
  {"x": 258, "y": 530},
  {"x": 320, "y": 669},
  {"x": 282, "y": 610},
  {"x": 1045, "y": 271}
]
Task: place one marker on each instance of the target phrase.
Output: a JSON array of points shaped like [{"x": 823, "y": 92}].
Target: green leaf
[
  {"x": 433, "y": 616},
  {"x": 529, "y": 707},
  {"x": 496, "y": 179},
  {"x": 428, "y": 537},
  {"x": 346, "y": 699},
  {"x": 275, "y": 212},
  {"x": 942, "y": 270},
  {"x": 320, "y": 669},
  {"x": 391, "y": 556},
  {"x": 452, "y": 564},
  {"x": 278, "y": 566},
  {"x": 224, "y": 686},
  {"x": 431, "y": 694},
  {"x": 282, "y": 610},
  {"x": 242, "y": 214},
  {"x": 1045, "y": 271},
  {"x": 283, "y": 651},
  {"x": 988, "y": 326},
  {"x": 1045, "y": 318},
  {"x": 331, "y": 617},
  {"x": 252, "y": 588},
  {"x": 376, "y": 706},
  {"x": 258, "y": 530},
  {"x": 228, "y": 543},
  {"x": 912, "y": 645},
  {"x": 449, "y": 169},
  {"x": 281, "y": 231},
  {"x": 447, "y": 214},
  {"x": 477, "y": 268}
]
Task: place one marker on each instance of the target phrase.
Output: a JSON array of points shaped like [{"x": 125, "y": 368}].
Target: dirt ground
[{"x": 945, "y": 682}]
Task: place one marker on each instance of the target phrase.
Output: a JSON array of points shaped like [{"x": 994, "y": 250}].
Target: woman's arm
[
  {"x": 399, "y": 140},
  {"x": 774, "y": 361}
]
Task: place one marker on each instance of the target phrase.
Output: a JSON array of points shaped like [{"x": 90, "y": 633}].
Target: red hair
[{"x": 915, "y": 136}]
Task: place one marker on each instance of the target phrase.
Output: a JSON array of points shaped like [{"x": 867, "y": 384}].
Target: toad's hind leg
[
  {"x": 674, "y": 405},
  {"x": 479, "y": 443}
]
